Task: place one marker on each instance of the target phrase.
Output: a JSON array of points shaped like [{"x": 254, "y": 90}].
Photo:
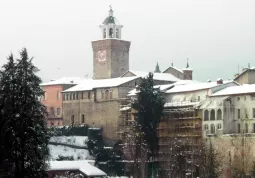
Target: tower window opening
[
  {"x": 111, "y": 33},
  {"x": 117, "y": 33},
  {"x": 104, "y": 33}
]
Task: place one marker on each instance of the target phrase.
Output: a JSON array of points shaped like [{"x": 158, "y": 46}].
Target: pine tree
[
  {"x": 212, "y": 163},
  {"x": 149, "y": 109},
  {"x": 23, "y": 120}
]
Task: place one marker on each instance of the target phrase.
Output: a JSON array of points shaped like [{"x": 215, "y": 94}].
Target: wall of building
[
  {"x": 99, "y": 110},
  {"x": 52, "y": 99},
  {"x": 116, "y": 61},
  {"x": 198, "y": 95},
  {"x": 175, "y": 73},
  {"x": 231, "y": 119},
  {"x": 247, "y": 77}
]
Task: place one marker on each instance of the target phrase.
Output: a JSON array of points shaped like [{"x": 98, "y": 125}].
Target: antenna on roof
[{"x": 172, "y": 64}]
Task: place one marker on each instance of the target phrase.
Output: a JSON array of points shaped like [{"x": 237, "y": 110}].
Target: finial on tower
[
  {"x": 187, "y": 63},
  {"x": 110, "y": 11}
]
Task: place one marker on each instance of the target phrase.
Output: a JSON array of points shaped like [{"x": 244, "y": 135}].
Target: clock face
[{"x": 101, "y": 56}]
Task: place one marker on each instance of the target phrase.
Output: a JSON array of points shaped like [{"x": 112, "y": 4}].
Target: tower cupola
[{"x": 111, "y": 28}]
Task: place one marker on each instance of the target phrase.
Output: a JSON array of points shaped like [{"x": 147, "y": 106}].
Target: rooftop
[
  {"x": 82, "y": 166},
  {"x": 87, "y": 85},
  {"x": 193, "y": 87},
  {"x": 234, "y": 90},
  {"x": 64, "y": 80},
  {"x": 156, "y": 76}
]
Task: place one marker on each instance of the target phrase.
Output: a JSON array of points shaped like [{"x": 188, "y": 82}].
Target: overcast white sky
[{"x": 216, "y": 35}]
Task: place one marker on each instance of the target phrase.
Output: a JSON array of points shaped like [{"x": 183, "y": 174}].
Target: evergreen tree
[
  {"x": 212, "y": 165},
  {"x": 23, "y": 122},
  {"x": 149, "y": 109}
]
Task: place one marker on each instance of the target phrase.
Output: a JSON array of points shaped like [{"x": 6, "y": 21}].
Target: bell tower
[{"x": 111, "y": 53}]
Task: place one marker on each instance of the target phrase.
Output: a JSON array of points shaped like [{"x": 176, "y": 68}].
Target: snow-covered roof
[
  {"x": 125, "y": 108},
  {"x": 193, "y": 87},
  {"x": 234, "y": 90},
  {"x": 212, "y": 102},
  {"x": 87, "y": 85},
  {"x": 82, "y": 166},
  {"x": 187, "y": 69},
  {"x": 64, "y": 80},
  {"x": 156, "y": 76},
  {"x": 174, "y": 68},
  {"x": 165, "y": 86}
]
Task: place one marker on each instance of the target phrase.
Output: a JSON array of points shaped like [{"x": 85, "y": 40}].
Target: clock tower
[{"x": 111, "y": 53}]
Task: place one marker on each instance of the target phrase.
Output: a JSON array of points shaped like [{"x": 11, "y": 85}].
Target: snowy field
[
  {"x": 77, "y": 154},
  {"x": 71, "y": 140}
]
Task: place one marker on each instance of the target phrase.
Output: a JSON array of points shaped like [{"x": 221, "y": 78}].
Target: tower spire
[
  {"x": 110, "y": 11},
  {"x": 157, "y": 70}
]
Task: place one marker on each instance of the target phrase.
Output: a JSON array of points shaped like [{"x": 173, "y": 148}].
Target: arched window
[
  {"x": 206, "y": 115},
  {"x": 104, "y": 33},
  {"x": 212, "y": 129},
  {"x": 111, "y": 33},
  {"x": 219, "y": 114},
  {"x": 110, "y": 94},
  {"x": 117, "y": 33},
  {"x": 106, "y": 94},
  {"x": 206, "y": 127},
  {"x": 74, "y": 97},
  {"x": 212, "y": 116},
  {"x": 82, "y": 118},
  {"x": 219, "y": 126}
]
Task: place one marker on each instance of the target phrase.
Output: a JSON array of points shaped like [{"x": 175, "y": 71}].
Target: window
[
  {"x": 253, "y": 128},
  {"x": 253, "y": 110},
  {"x": 111, "y": 33},
  {"x": 110, "y": 94},
  {"x": 246, "y": 128},
  {"x": 77, "y": 96},
  {"x": 74, "y": 96},
  {"x": 106, "y": 94},
  {"x": 58, "y": 111},
  {"x": 212, "y": 117},
  {"x": 219, "y": 114},
  {"x": 239, "y": 128},
  {"x": 104, "y": 33},
  {"x": 206, "y": 127},
  {"x": 212, "y": 129},
  {"x": 52, "y": 111},
  {"x": 198, "y": 98},
  {"x": 82, "y": 95},
  {"x": 58, "y": 95},
  {"x": 72, "y": 119},
  {"x": 70, "y": 96},
  {"x": 45, "y": 96},
  {"x": 238, "y": 98},
  {"x": 82, "y": 118},
  {"x": 219, "y": 126},
  {"x": 206, "y": 115},
  {"x": 88, "y": 94},
  {"x": 52, "y": 123},
  {"x": 244, "y": 98},
  {"x": 102, "y": 95},
  {"x": 117, "y": 33},
  {"x": 238, "y": 114}
]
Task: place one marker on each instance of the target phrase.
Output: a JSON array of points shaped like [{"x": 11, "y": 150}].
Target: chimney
[{"x": 219, "y": 81}]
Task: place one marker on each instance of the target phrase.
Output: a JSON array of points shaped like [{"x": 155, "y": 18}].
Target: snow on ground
[
  {"x": 71, "y": 140},
  {"x": 78, "y": 154}
]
